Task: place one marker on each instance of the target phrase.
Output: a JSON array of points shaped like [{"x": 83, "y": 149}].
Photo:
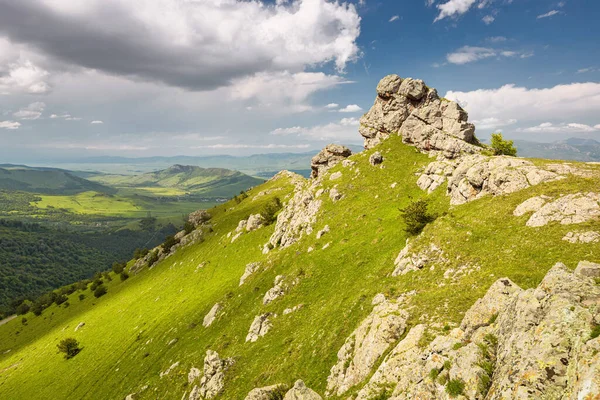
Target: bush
[
  {"x": 23, "y": 308},
  {"x": 61, "y": 298},
  {"x": 503, "y": 147},
  {"x": 81, "y": 297},
  {"x": 170, "y": 241},
  {"x": 100, "y": 291},
  {"x": 415, "y": 217},
  {"x": 153, "y": 258},
  {"x": 69, "y": 346},
  {"x": 455, "y": 387},
  {"x": 124, "y": 276},
  {"x": 37, "y": 308},
  {"x": 270, "y": 210},
  {"x": 595, "y": 332},
  {"x": 188, "y": 227},
  {"x": 118, "y": 267},
  {"x": 140, "y": 253},
  {"x": 24, "y": 321}
]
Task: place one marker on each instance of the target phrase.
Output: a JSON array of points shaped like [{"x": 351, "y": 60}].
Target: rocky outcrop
[
  {"x": 582, "y": 237},
  {"x": 408, "y": 261},
  {"x": 260, "y": 326},
  {"x": 569, "y": 209},
  {"x": 276, "y": 291},
  {"x": 199, "y": 217},
  {"x": 588, "y": 269},
  {"x": 213, "y": 380},
  {"x": 511, "y": 344},
  {"x": 327, "y": 158},
  {"x": 409, "y": 108},
  {"x": 376, "y": 158},
  {"x": 266, "y": 393},
  {"x": 368, "y": 342},
  {"x": 212, "y": 315},
  {"x": 250, "y": 269},
  {"x": 255, "y": 221},
  {"x": 301, "y": 392}
]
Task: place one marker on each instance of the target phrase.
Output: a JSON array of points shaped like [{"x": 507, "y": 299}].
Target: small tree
[
  {"x": 188, "y": 227},
  {"x": 139, "y": 253},
  {"x": 61, "y": 298},
  {"x": 124, "y": 276},
  {"x": 270, "y": 210},
  {"x": 503, "y": 147},
  {"x": 100, "y": 291},
  {"x": 37, "y": 308},
  {"x": 118, "y": 267},
  {"x": 23, "y": 308},
  {"x": 69, "y": 346},
  {"x": 416, "y": 216}
]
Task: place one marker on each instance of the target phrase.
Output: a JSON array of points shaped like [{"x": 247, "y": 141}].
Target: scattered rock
[
  {"x": 376, "y": 158},
  {"x": 276, "y": 291},
  {"x": 260, "y": 326},
  {"x": 330, "y": 156},
  {"x": 79, "y": 326},
  {"x": 407, "y": 261},
  {"x": 172, "y": 342},
  {"x": 335, "y": 176},
  {"x": 213, "y": 380},
  {"x": 266, "y": 393},
  {"x": 193, "y": 375},
  {"x": 570, "y": 209},
  {"x": 588, "y": 269},
  {"x": 170, "y": 369},
  {"x": 335, "y": 195},
  {"x": 366, "y": 344},
  {"x": 348, "y": 163},
  {"x": 250, "y": 269},
  {"x": 323, "y": 232},
  {"x": 301, "y": 392},
  {"x": 582, "y": 237},
  {"x": 530, "y": 205},
  {"x": 255, "y": 221},
  {"x": 293, "y": 309},
  {"x": 199, "y": 217},
  {"x": 212, "y": 315}
]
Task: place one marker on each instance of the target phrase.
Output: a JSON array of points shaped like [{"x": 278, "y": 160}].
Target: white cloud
[
  {"x": 576, "y": 100},
  {"x": 351, "y": 108},
  {"x": 496, "y": 39},
  {"x": 345, "y": 129},
  {"x": 252, "y": 146},
  {"x": 488, "y": 19},
  {"x": 394, "y": 18},
  {"x": 548, "y": 127},
  {"x": 32, "y": 111},
  {"x": 332, "y": 105},
  {"x": 453, "y": 8},
  {"x": 96, "y": 122},
  {"x": 492, "y": 123},
  {"x": 588, "y": 69},
  {"x": 468, "y": 54},
  {"x": 66, "y": 117},
  {"x": 9, "y": 125},
  {"x": 548, "y": 14},
  {"x": 350, "y": 121},
  {"x": 24, "y": 77}
]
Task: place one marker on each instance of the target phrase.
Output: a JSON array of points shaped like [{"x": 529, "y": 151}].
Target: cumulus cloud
[
  {"x": 196, "y": 45},
  {"x": 548, "y": 14},
  {"x": 468, "y": 54},
  {"x": 345, "y": 129},
  {"x": 548, "y": 127},
  {"x": 10, "y": 125},
  {"x": 488, "y": 19},
  {"x": 351, "y": 108},
  {"x": 453, "y": 8},
  {"x": 394, "y": 18},
  {"x": 32, "y": 111},
  {"x": 576, "y": 100},
  {"x": 66, "y": 117},
  {"x": 332, "y": 106},
  {"x": 493, "y": 123}
]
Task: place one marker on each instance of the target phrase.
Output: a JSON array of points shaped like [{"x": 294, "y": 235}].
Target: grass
[{"x": 367, "y": 233}]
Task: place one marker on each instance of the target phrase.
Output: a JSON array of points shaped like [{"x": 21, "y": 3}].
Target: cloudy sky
[{"x": 194, "y": 77}]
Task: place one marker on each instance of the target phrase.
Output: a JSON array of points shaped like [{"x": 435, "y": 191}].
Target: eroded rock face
[
  {"x": 569, "y": 209},
  {"x": 410, "y": 108},
  {"x": 330, "y": 156},
  {"x": 255, "y": 221},
  {"x": 588, "y": 269},
  {"x": 260, "y": 326},
  {"x": 212, "y": 315},
  {"x": 368, "y": 342},
  {"x": 301, "y": 392},
  {"x": 213, "y": 380}
]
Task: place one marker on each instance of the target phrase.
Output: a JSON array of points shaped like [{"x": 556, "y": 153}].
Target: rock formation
[
  {"x": 582, "y": 237},
  {"x": 408, "y": 261},
  {"x": 212, "y": 315},
  {"x": 213, "y": 380},
  {"x": 276, "y": 291},
  {"x": 199, "y": 217},
  {"x": 266, "y": 393},
  {"x": 260, "y": 326},
  {"x": 250, "y": 269},
  {"x": 569, "y": 209},
  {"x": 301, "y": 392},
  {"x": 330, "y": 156}
]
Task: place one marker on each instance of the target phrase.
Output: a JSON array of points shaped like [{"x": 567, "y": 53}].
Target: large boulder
[
  {"x": 199, "y": 217},
  {"x": 213, "y": 380},
  {"x": 301, "y": 392},
  {"x": 266, "y": 393},
  {"x": 330, "y": 156}
]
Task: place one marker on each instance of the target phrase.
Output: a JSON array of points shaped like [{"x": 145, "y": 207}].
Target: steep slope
[
  {"x": 332, "y": 293},
  {"x": 47, "y": 181}
]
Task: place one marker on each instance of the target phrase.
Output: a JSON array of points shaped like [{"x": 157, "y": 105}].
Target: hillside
[
  {"x": 482, "y": 303},
  {"x": 571, "y": 149},
  {"x": 209, "y": 182},
  {"x": 47, "y": 181}
]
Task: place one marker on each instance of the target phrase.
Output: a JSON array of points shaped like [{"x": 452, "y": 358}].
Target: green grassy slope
[
  {"x": 47, "y": 181},
  {"x": 125, "y": 339}
]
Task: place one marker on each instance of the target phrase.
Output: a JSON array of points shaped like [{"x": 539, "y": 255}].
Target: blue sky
[{"x": 167, "y": 77}]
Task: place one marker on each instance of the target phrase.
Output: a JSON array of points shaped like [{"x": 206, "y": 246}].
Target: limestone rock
[
  {"x": 323, "y": 232},
  {"x": 582, "y": 237},
  {"x": 255, "y": 221},
  {"x": 530, "y": 205},
  {"x": 330, "y": 156},
  {"x": 408, "y": 261},
  {"x": 335, "y": 176},
  {"x": 170, "y": 369},
  {"x": 414, "y": 89},
  {"x": 266, "y": 393},
  {"x": 259, "y": 328},
  {"x": 250, "y": 269},
  {"x": 213, "y": 380},
  {"x": 193, "y": 375},
  {"x": 212, "y": 315},
  {"x": 199, "y": 217},
  {"x": 276, "y": 291},
  {"x": 588, "y": 269},
  {"x": 376, "y": 158},
  {"x": 79, "y": 326},
  {"x": 335, "y": 195},
  {"x": 366, "y": 345},
  {"x": 389, "y": 86},
  {"x": 569, "y": 209},
  {"x": 301, "y": 392}
]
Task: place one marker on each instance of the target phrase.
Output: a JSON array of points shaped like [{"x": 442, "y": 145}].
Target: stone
[
  {"x": 582, "y": 237},
  {"x": 408, "y": 261},
  {"x": 276, "y": 291},
  {"x": 530, "y": 205},
  {"x": 301, "y": 392},
  {"x": 193, "y": 375},
  {"x": 588, "y": 269},
  {"x": 170, "y": 369},
  {"x": 266, "y": 393},
  {"x": 389, "y": 85},
  {"x": 414, "y": 89},
  {"x": 213, "y": 380},
  {"x": 212, "y": 315},
  {"x": 335, "y": 195},
  {"x": 323, "y": 232},
  {"x": 335, "y": 176},
  {"x": 255, "y": 221},
  {"x": 327, "y": 158},
  {"x": 376, "y": 158},
  {"x": 293, "y": 309},
  {"x": 199, "y": 217},
  {"x": 569, "y": 209},
  {"x": 79, "y": 326},
  {"x": 364, "y": 347},
  {"x": 249, "y": 270},
  {"x": 259, "y": 328}
]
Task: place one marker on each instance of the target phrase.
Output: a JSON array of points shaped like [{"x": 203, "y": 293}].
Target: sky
[{"x": 198, "y": 77}]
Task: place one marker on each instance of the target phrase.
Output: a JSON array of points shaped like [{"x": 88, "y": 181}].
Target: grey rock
[
  {"x": 414, "y": 89},
  {"x": 408, "y": 261},
  {"x": 301, "y": 392},
  {"x": 569, "y": 209},
  {"x": 260, "y": 326},
  {"x": 199, "y": 217},
  {"x": 582, "y": 237},
  {"x": 212, "y": 315},
  {"x": 588, "y": 269},
  {"x": 335, "y": 195},
  {"x": 376, "y": 158},
  {"x": 327, "y": 158},
  {"x": 530, "y": 205},
  {"x": 255, "y": 221},
  {"x": 79, "y": 326},
  {"x": 278, "y": 290},
  {"x": 265, "y": 393},
  {"x": 170, "y": 369},
  {"x": 323, "y": 232},
  {"x": 389, "y": 86},
  {"x": 250, "y": 269},
  {"x": 213, "y": 380}
]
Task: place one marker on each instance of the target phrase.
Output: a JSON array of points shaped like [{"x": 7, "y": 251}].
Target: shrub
[
  {"x": 455, "y": 387},
  {"x": 61, "y": 298},
  {"x": 270, "y": 210},
  {"x": 81, "y": 297},
  {"x": 503, "y": 147},
  {"x": 118, "y": 267},
  {"x": 100, "y": 291},
  {"x": 415, "y": 217},
  {"x": 188, "y": 227},
  {"x": 140, "y": 253},
  {"x": 37, "y": 308},
  {"x": 24, "y": 321},
  {"x": 124, "y": 276},
  {"x": 595, "y": 332},
  {"x": 170, "y": 241},
  {"x": 23, "y": 308},
  {"x": 153, "y": 258},
  {"x": 434, "y": 373},
  {"x": 69, "y": 346},
  {"x": 278, "y": 393}
]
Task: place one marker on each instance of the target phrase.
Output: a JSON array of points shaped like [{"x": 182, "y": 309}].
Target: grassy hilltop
[{"x": 147, "y": 323}]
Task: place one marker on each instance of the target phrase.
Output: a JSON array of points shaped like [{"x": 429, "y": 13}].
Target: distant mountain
[
  {"x": 46, "y": 181},
  {"x": 214, "y": 182},
  {"x": 575, "y": 149}
]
